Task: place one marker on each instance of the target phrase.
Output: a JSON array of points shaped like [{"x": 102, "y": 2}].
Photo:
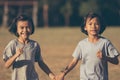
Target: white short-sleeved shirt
[
  {"x": 93, "y": 68},
  {"x": 23, "y": 66}
]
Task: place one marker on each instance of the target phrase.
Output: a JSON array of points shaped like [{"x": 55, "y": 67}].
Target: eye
[
  {"x": 96, "y": 23},
  {"x": 28, "y": 27},
  {"x": 90, "y": 23},
  {"x": 22, "y": 27}
]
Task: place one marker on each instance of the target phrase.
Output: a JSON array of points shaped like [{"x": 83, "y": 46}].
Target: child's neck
[
  {"x": 93, "y": 39},
  {"x": 23, "y": 41}
]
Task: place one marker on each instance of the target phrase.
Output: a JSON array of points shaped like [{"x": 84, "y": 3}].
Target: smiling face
[
  {"x": 23, "y": 29},
  {"x": 92, "y": 26}
]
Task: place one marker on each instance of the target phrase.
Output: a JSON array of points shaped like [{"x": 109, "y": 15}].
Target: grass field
[{"x": 57, "y": 45}]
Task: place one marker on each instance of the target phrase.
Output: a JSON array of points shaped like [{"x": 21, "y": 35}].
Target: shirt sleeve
[
  {"x": 112, "y": 51},
  {"x": 38, "y": 53},
  {"x": 77, "y": 52},
  {"x": 8, "y": 51}
]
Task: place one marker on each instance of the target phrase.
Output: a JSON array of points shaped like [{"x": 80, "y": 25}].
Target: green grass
[{"x": 57, "y": 45}]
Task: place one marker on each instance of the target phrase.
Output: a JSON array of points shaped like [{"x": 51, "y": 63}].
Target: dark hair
[
  {"x": 92, "y": 15},
  {"x": 13, "y": 26}
]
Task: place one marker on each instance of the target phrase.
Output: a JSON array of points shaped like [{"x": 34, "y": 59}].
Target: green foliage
[
  {"x": 88, "y": 5},
  {"x": 66, "y": 9},
  {"x": 58, "y": 9}
]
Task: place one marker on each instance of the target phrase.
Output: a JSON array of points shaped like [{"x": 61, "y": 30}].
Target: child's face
[
  {"x": 23, "y": 29},
  {"x": 92, "y": 26}
]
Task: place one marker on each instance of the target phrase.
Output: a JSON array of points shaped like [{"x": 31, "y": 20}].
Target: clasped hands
[{"x": 59, "y": 77}]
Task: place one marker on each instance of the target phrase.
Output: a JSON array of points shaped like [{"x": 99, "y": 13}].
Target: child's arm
[
  {"x": 10, "y": 61},
  {"x": 46, "y": 69},
  {"x": 113, "y": 54},
  {"x": 67, "y": 69},
  {"x": 113, "y": 60}
]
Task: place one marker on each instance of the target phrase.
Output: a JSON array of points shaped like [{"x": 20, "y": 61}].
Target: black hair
[
  {"x": 92, "y": 15},
  {"x": 13, "y": 26}
]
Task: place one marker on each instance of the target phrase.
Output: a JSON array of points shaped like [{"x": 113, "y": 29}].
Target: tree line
[{"x": 54, "y": 13}]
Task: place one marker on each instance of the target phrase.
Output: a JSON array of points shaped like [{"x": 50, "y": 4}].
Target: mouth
[
  {"x": 25, "y": 34},
  {"x": 94, "y": 30}
]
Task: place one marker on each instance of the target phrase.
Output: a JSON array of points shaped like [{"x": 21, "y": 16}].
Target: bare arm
[
  {"x": 70, "y": 66},
  {"x": 10, "y": 61},
  {"x": 67, "y": 69},
  {"x": 46, "y": 69},
  {"x": 113, "y": 60}
]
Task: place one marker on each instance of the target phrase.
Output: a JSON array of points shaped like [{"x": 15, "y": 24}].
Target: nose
[
  {"x": 25, "y": 29},
  {"x": 93, "y": 26}
]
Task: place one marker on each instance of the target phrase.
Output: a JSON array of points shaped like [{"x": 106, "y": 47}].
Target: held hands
[
  {"x": 60, "y": 76},
  {"x": 57, "y": 77}
]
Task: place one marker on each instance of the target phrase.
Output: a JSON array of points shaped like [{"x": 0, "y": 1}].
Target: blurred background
[
  {"x": 58, "y": 30},
  {"x": 53, "y": 13}
]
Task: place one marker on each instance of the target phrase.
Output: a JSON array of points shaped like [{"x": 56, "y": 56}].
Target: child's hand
[
  {"x": 99, "y": 54},
  {"x": 60, "y": 76},
  {"x": 52, "y": 76},
  {"x": 19, "y": 51}
]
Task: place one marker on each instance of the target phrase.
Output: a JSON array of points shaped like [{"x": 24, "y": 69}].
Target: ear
[{"x": 85, "y": 28}]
